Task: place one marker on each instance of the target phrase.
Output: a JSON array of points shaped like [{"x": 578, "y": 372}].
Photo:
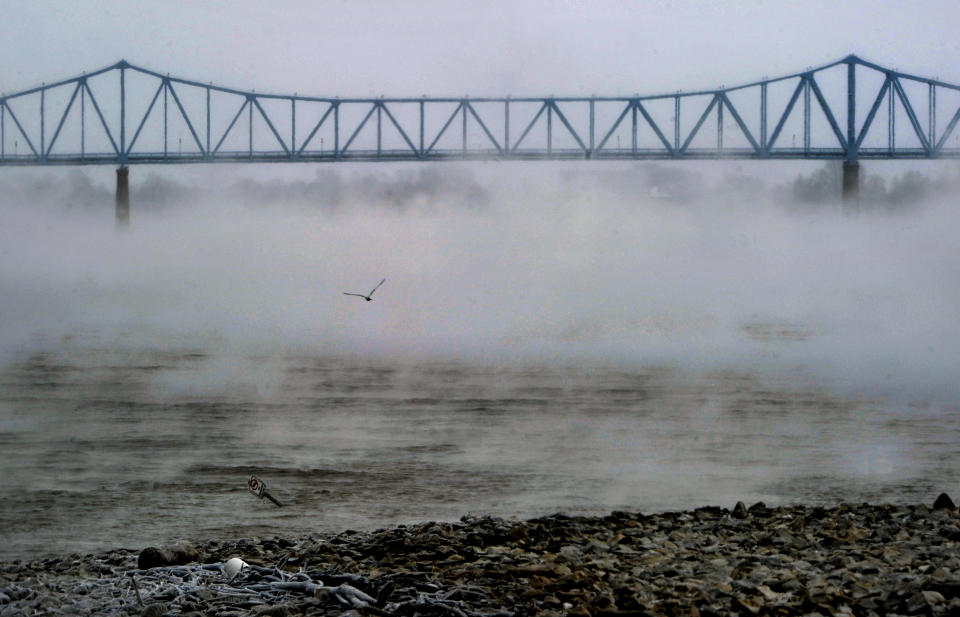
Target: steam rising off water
[{"x": 561, "y": 348}]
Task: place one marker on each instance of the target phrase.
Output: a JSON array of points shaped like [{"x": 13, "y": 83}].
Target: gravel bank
[{"x": 799, "y": 560}]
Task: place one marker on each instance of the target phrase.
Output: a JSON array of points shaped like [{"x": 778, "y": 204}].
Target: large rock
[
  {"x": 943, "y": 501},
  {"x": 740, "y": 511},
  {"x": 176, "y": 555}
]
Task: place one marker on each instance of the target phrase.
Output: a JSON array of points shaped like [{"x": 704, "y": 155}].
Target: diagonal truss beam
[
  {"x": 103, "y": 122},
  {"x": 827, "y": 111},
  {"x": 63, "y": 119},
  {"x": 563, "y": 119},
  {"x": 16, "y": 121},
  {"x": 786, "y": 114},
  {"x": 232, "y": 122},
  {"x": 273, "y": 129},
  {"x": 443, "y": 129},
  {"x": 316, "y": 128},
  {"x": 946, "y": 133},
  {"x": 445, "y": 126},
  {"x": 526, "y": 131},
  {"x": 653, "y": 125},
  {"x": 898, "y": 88},
  {"x": 356, "y": 132},
  {"x": 483, "y": 126},
  {"x": 146, "y": 115},
  {"x": 613, "y": 128},
  {"x": 873, "y": 111},
  {"x": 186, "y": 118},
  {"x": 703, "y": 117},
  {"x": 743, "y": 127},
  {"x": 396, "y": 124}
]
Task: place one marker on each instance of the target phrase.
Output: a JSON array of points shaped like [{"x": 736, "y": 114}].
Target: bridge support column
[
  {"x": 123, "y": 198},
  {"x": 851, "y": 185}
]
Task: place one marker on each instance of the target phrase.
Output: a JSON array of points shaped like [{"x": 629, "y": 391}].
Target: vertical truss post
[
  {"x": 379, "y": 127},
  {"x": 506, "y": 127},
  {"x": 633, "y": 137},
  {"x": 165, "y": 128},
  {"x": 806, "y": 115},
  {"x": 463, "y": 110},
  {"x": 43, "y": 149},
  {"x": 336, "y": 130},
  {"x": 851, "y": 111},
  {"x": 250, "y": 123},
  {"x": 3, "y": 129},
  {"x": 720, "y": 126},
  {"x": 208, "y": 122},
  {"x": 123, "y": 114},
  {"x": 676, "y": 124},
  {"x": 850, "y": 193},
  {"x": 593, "y": 126},
  {"x": 83, "y": 123},
  {"x": 764, "y": 151},
  {"x": 422, "y": 152},
  {"x": 549, "y": 127},
  {"x": 293, "y": 128},
  {"x": 932, "y": 111},
  {"x": 891, "y": 123}
]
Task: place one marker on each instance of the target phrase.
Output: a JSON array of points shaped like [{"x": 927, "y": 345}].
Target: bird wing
[
  {"x": 377, "y": 287},
  {"x": 347, "y": 293}
]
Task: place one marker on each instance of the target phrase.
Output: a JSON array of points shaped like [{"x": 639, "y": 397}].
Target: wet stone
[
  {"x": 740, "y": 511},
  {"x": 179, "y": 554},
  {"x": 943, "y": 501},
  {"x": 154, "y": 610}
]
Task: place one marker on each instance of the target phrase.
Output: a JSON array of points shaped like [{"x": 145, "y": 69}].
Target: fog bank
[{"x": 497, "y": 264}]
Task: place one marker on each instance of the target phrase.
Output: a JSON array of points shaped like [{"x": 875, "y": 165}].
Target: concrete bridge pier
[
  {"x": 851, "y": 185},
  {"x": 123, "y": 198}
]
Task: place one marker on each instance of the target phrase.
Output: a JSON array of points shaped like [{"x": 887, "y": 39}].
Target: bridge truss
[{"x": 124, "y": 114}]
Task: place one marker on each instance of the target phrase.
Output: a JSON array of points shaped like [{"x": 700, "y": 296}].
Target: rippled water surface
[{"x": 128, "y": 448}]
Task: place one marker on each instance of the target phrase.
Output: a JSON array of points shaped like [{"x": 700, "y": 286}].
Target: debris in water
[{"x": 259, "y": 488}]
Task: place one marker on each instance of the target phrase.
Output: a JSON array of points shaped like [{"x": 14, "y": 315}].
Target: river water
[
  {"x": 560, "y": 348},
  {"x": 110, "y": 448}
]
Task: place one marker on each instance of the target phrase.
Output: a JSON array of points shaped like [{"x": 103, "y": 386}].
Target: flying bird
[{"x": 367, "y": 296}]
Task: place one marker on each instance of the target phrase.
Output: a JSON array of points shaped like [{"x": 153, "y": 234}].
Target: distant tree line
[
  {"x": 426, "y": 187},
  {"x": 441, "y": 186},
  {"x": 820, "y": 188},
  {"x": 823, "y": 187}
]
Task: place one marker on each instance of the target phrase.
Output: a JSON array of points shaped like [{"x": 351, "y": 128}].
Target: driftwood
[{"x": 405, "y": 594}]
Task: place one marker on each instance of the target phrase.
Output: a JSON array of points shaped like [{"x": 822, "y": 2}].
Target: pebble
[{"x": 858, "y": 559}]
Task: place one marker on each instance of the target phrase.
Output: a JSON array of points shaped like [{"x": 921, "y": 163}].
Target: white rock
[{"x": 233, "y": 567}]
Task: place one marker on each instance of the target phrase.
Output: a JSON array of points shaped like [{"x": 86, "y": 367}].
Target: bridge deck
[{"x": 159, "y": 158}]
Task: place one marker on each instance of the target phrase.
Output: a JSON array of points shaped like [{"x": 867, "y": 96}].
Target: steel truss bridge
[{"x": 125, "y": 114}]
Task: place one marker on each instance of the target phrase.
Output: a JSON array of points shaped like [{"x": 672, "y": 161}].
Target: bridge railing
[{"x": 124, "y": 114}]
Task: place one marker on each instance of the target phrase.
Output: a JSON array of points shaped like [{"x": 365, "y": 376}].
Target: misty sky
[{"x": 456, "y": 47}]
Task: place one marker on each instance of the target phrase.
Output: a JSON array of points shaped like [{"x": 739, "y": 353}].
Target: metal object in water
[{"x": 259, "y": 488}]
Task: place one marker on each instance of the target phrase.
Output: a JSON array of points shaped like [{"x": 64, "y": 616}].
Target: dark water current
[{"x": 129, "y": 448}]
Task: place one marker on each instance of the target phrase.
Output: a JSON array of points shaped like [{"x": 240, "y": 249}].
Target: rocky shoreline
[{"x": 792, "y": 560}]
